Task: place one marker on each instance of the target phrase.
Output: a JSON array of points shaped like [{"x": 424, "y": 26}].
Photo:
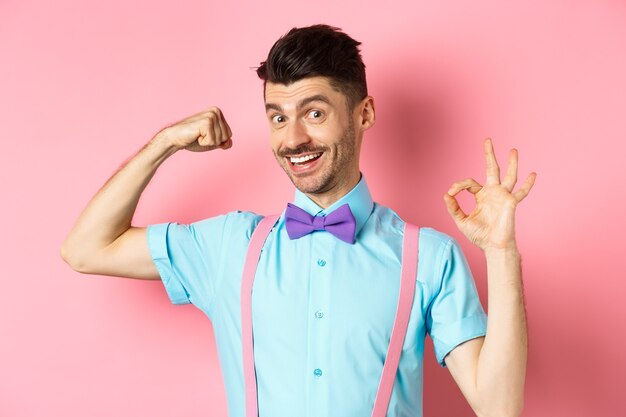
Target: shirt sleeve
[
  {"x": 455, "y": 314},
  {"x": 189, "y": 257}
]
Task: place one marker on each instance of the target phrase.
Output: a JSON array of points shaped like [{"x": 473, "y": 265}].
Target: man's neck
[{"x": 328, "y": 198}]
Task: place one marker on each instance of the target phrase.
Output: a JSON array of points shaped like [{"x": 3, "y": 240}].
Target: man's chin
[{"x": 309, "y": 185}]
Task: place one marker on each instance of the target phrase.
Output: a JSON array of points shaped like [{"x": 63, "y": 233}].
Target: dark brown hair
[{"x": 318, "y": 50}]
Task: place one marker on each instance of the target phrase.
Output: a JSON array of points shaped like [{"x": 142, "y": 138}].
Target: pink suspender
[
  {"x": 249, "y": 269},
  {"x": 405, "y": 302}
]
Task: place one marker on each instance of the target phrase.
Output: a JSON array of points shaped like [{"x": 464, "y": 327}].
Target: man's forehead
[{"x": 290, "y": 95}]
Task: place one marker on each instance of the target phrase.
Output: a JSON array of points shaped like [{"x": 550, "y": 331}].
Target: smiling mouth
[{"x": 303, "y": 160}]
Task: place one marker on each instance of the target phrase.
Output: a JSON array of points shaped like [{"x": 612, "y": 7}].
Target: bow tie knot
[
  {"x": 319, "y": 223},
  {"x": 341, "y": 223}
]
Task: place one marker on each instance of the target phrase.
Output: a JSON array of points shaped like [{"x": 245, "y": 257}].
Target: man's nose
[{"x": 297, "y": 135}]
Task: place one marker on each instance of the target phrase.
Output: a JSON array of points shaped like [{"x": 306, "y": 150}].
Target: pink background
[{"x": 84, "y": 86}]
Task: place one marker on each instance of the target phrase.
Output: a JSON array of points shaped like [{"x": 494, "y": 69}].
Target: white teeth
[{"x": 302, "y": 159}]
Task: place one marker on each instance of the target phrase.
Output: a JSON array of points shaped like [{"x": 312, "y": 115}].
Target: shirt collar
[{"x": 359, "y": 199}]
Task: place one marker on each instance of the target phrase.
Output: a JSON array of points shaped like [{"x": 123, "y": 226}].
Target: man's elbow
[{"x": 75, "y": 261}]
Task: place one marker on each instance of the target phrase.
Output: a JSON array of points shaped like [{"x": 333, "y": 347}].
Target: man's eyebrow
[
  {"x": 301, "y": 103},
  {"x": 272, "y": 106},
  {"x": 316, "y": 97}
]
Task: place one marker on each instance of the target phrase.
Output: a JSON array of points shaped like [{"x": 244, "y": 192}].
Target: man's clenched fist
[{"x": 201, "y": 132}]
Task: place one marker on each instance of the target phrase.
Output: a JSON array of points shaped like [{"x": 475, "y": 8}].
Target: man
[{"x": 323, "y": 305}]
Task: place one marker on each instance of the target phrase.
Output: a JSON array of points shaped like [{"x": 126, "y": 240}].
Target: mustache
[{"x": 299, "y": 150}]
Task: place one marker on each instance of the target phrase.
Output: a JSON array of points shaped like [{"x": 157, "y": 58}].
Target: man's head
[
  {"x": 318, "y": 50},
  {"x": 318, "y": 108}
]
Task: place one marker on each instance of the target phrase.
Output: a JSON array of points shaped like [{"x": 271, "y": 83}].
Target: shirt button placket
[
  {"x": 323, "y": 244},
  {"x": 317, "y": 372}
]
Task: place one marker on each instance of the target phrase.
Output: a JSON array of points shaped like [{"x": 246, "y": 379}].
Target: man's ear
[{"x": 366, "y": 117}]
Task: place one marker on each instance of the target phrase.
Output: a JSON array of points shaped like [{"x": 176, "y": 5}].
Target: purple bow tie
[{"x": 340, "y": 223}]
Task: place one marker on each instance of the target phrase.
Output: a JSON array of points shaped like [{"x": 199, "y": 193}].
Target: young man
[{"x": 324, "y": 299}]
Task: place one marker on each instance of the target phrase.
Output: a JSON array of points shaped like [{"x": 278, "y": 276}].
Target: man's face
[{"x": 313, "y": 136}]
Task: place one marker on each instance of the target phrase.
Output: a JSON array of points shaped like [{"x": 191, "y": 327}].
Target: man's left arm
[{"x": 490, "y": 371}]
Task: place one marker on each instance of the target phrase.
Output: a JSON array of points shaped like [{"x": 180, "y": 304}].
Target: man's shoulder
[
  {"x": 235, "y": 215},
  {"x": 427, "y": 234},
  {"x": 244, "y": 216},
  {"x": 436, "y": 236},
  {"x": 232, "y": 221}
]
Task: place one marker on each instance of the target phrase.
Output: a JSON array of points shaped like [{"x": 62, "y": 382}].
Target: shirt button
[
  {"x": 317, "y": 372},
  {"x": 319, "y": 314},
  {"x": 321, "y": 262}
]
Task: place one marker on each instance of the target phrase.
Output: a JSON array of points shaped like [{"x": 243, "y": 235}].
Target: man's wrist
[
  {"x": 162, "y": 144},
  {"x": 508, "y": 252}
]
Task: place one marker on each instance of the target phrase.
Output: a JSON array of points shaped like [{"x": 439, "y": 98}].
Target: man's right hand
[{"x": 201, "y": 132}]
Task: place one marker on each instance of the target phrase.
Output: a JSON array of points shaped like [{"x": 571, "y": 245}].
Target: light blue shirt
[{"x": 322, "y": 309}]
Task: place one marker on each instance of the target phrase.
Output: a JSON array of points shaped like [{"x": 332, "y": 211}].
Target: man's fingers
[
  {"x": 227, "y": 145},
  {"x": 201, "y": 132},
  {"x": 453, "y": 208},
  {"x": 468, "y": 184},
  {"x": 511, "y": 172},
  {"x": 528, "y": 184},
  {"x": 228, "y": 131},
  {"x": 493, "y": 170},
  {"x": 452, "y": 204},
  {"x": 209, "y": 132},
  {"x": 219, "y": 131},
  {"x": 214, "y": 120}
]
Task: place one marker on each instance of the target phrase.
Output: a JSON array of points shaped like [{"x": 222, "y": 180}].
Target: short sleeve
[
  {"x": 190, "y": 257},
  {"x": 455, "y": 314},
  {"x": 187, "y": 256}
]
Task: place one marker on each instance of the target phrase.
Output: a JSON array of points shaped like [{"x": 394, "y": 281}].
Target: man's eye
[
  {"x": 278, "y": 118},
  {"x": 316, "y": 114}
]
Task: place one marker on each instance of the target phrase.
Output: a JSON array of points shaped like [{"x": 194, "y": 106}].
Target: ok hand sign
[{"x": 491, "y": 225}]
